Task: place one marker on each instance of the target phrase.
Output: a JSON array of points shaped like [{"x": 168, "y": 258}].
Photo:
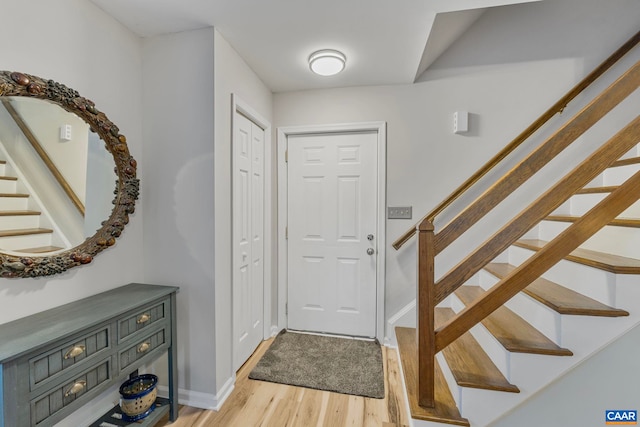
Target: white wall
[
  {"x": 106, "y": 68},
  {"x": 425, "y": 160},
  {"x": 582, "y": 396},
  {"x": 232, "y": 76},
  {"x": 188, "y": 168},
  {"x": 178, "y": 175},
  {"x": 511, "y": 65},
  {"x": 75, "y": 43}
]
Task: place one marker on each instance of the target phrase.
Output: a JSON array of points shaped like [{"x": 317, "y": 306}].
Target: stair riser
[
  {"x": 618, "y": 175},
  {"x": 480, "y": 404},
  {"x": 7, "y": 186},
  {"x": 456, "y": 391},
  {"x": 589, "y": 281},
  {"x": 623, "y": 241},
  {"x": 616, "y": 240},
  {"x": 614, "y": 175},
  {"x": 13, "y": 203},
  {"x": 19, "y": 221},
  {"x": 563, "y": 209},
  {"x": 634, "y": 152},
  {"x": 580, "y": 204},
  {"x": 21, "y": 242}
]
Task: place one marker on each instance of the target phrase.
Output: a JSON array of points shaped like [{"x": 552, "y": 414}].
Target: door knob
[
  {"x": 370, "y": 251},
  {"x": 369, "y": 237}
]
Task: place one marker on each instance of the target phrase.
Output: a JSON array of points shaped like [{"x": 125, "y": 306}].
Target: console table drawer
[
  {"x": 59, "y": 397},
  {"x": 142, "y": 319},
  {"x": 56, "y": 361},
  {"x": 51, "y": 365},
  {"x": 150, "y": 344}
]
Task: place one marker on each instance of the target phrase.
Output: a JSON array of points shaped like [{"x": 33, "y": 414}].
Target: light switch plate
[{"x": 399, "y": 212}]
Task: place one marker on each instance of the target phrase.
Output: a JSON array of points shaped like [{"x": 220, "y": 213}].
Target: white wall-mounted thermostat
[{"x": 460, "y": 121}]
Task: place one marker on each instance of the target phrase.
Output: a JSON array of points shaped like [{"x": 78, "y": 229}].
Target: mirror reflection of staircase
[{"x": 20, "y": 226}]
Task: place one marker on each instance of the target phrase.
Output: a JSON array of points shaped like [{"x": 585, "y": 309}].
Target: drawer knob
[
  {"x": 76, "y": 388},
  {"x": 144, "y": 347},
  {"x": 76, "y": 351},
  {"x": 143, "y": 318}
]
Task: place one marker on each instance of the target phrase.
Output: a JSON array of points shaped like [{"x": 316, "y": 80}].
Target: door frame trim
[
  {"x": 238, "y": 105},
  {"x": 283, "y": 134}
]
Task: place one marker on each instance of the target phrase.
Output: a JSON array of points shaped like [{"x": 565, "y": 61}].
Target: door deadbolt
[
  {"x": 370, "y": 251},
  {"x": 369, "y": 237}
]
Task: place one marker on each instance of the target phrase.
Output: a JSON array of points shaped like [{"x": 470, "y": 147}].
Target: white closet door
[{"x": 248, "y": 237}]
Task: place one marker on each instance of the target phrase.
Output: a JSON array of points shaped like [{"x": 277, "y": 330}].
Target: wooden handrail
[
  {"x": 584, "y": 173},
  {"x": 568, "y": 133},
  {"x": 508, "y": 149},
  {"x": 426, "y": 315},
  {"x": 44, "y": 156},
  {"x": 553, "y": 252}
]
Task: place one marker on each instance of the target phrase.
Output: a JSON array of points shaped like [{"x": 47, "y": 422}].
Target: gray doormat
[{"x": 341, "y": 365}]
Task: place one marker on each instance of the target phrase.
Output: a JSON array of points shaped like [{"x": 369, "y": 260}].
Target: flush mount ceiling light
[{"x": 327, "y": 62}]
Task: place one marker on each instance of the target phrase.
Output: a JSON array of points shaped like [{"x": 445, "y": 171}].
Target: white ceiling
[{"x": 385, "y": 41}]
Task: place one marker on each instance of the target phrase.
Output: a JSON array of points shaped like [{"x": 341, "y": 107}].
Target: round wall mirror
[{"x": 67, "y": 180}]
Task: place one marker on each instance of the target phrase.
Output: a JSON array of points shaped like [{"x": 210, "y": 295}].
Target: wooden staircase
[
  {"x": 20, "y": 229},
  {"x": 519, "y": 311}
]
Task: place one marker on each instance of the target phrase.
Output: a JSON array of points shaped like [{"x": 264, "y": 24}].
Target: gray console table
[{"x": 55, "y": 361}]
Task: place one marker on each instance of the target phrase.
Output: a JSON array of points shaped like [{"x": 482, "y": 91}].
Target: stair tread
[
  {"x": 13, "y": 195},
  {"x": 608, "y": 262},
  {"x": 557, "y": 297},
  {"x": 625, "y": 162},
  {"x": 469, "y": 363},
  {"x": 39, "y": 250},
  {"x": 595, "y": 190},
  {"x": 619, "y": 222},
  {"x": 445, "y": 410},
  {"x": 24, "y": 232},
  {"x": 19, "y": 213},
  {"x": 512, "y": 331}
]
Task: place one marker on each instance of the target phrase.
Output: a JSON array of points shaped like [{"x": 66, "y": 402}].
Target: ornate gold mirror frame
[{"x": 127, "y": 185}]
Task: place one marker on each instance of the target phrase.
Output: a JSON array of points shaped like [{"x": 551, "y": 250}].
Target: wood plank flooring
[{"x": 264, "y": 404}]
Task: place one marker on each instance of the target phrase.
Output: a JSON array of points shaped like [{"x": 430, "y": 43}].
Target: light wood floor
[{"x": 264, "y": 404}]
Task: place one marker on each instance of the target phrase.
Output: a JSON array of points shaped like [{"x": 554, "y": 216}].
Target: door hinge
[
  {"x": 286, "y": 308},
  {"x": 286, "y": 156},
  {"x": 286, "y": 233}
]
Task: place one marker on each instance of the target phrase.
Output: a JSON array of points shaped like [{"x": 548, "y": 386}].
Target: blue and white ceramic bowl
[{"x": 138, "y": 397}]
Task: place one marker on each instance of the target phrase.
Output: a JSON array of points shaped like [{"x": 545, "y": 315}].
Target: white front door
[
  {"x": 332, "y": 221},
  {"x": 248, "y": 237}
]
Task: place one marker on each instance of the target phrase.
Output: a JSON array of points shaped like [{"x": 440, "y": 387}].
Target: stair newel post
[{"x": 425, "y": 315}]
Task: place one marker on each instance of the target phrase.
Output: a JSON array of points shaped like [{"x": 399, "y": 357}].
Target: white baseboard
[
  {"x": 201, "y": 400},
  {"x": 405, "y": 317}
]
